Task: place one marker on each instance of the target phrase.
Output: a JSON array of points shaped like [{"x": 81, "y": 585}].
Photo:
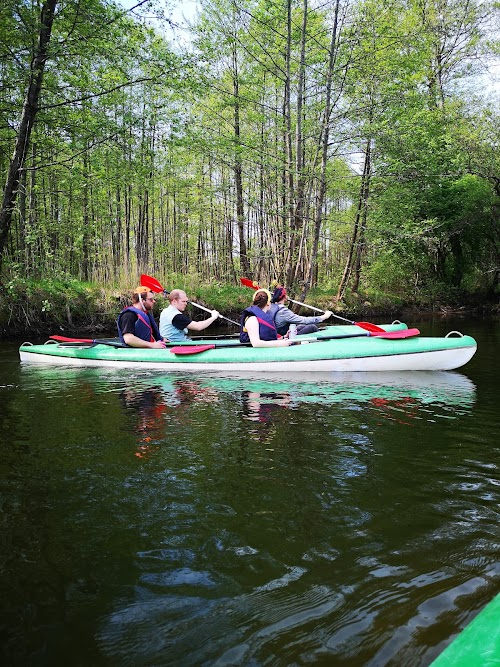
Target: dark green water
[{"x": 151, "y": 519}]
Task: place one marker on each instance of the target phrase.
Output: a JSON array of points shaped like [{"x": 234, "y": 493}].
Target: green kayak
[
  {"x": 341, "y": 348},
  {"x": 478, "y": 645}
]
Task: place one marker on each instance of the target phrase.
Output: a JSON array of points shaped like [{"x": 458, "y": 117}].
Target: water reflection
[
  {"x": 417, "y": 395},
  {"x": 247, "y": 520},
  {"x": 148, "y": 408}
]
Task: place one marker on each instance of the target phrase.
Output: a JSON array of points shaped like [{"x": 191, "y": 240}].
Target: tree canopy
[{"x": 349, "y": 145}]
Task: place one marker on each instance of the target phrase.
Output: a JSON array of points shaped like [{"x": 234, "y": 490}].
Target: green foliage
[
  {"x": 59, "y": 303},
  {"x": 133, "y": 156}
]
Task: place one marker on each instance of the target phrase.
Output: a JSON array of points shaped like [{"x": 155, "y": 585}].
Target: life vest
[
  {"x": 267, "y": 330},
  {"x": 167, "y": 329},
  {"x": 145, "y": 325}
]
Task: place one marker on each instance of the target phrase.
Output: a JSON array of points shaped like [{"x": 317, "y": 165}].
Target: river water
[{"x": 155, "y": 519}]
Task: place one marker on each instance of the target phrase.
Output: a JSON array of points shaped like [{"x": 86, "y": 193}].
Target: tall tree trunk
[
  {"x": 240, "y": 212},
  {"x": 325, "y": 138},
  {"x": 117, "y": 235},
  {"x": 361, "y": 245},
  {"x": 298, "y": 216},
  {"x": 85, "y": 266},
  {"x": 361, "y": 210},
  {"x": 30, "y": 109},
  {"x": 288, "y": 175}
]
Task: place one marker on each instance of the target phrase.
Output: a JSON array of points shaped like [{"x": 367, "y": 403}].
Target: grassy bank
[{"x": 69, "y": 306}]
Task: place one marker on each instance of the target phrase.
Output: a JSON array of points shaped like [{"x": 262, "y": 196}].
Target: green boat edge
[
  {"x": 346, "y": 355},
  {"x": 478, "y": 644}
]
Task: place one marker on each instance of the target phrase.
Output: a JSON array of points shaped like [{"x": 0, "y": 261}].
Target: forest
[{"x": 347, "y": 145}]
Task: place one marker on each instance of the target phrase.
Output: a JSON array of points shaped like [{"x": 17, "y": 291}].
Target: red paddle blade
[
  {"x": 65, "y": 339},
  {"x": 249, "y": 283},
  {"x": 191, "y": 349},
  {"x": 151, "y": 283},
  {"x": 404, "y": 333},
  {"x": 367, "y": 326}
]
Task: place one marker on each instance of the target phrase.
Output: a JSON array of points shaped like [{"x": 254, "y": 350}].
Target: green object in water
[{"x": 478, "y": 645}]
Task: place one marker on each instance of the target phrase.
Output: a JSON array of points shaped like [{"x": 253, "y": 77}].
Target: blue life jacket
[
  {"x": 267, "y": 330},
  {"x": 145, "y": 325}
]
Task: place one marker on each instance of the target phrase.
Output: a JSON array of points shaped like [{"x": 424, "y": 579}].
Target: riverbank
[{"x": 29, "y": 308}]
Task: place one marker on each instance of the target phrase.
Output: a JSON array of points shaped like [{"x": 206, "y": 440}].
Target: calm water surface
[{"x": 154, "y": 519}]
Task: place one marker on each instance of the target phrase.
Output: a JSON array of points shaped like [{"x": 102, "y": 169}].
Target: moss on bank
[{"x": 55, "y": 306}]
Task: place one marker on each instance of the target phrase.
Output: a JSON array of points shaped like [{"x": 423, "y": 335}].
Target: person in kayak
[
  {"x": 283, "y": 316},
  {"x": 174, "y": 324},
  {"x": 136, "y": 324},
  {"x": 257, "y": 326}
]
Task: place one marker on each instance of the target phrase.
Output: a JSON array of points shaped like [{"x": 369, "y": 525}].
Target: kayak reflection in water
[
  {"x": 263, "y": 407},
  {"x": 148, "y": 407},
  {"x": 257, "y": 325},
  {"x": 151, "y": 407}
]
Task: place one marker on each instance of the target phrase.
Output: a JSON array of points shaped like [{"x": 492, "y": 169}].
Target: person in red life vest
[
  {"x": 136, "y": 324},
  {"x": 284, "y": 317},
  {"x": 257, "y": 325}
]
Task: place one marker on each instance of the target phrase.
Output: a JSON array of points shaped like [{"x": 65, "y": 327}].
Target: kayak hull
[
  {"x": 364, "y": 354},
  {"x": 478, "y": 645}
]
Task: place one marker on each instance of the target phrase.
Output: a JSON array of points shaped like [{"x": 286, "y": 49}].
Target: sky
[{"x": 181, "y": 12}]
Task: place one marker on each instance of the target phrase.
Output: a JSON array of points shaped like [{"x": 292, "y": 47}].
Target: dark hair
[
  {"x": 278, "y": 294},
  {"x": 261, "y": 298}
]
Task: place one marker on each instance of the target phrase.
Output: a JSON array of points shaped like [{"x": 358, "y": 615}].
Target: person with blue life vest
[
  {"x": 174, "y": 324},
  {"x": 257, "y": 325},
  {"x": 284, "y": 317},
  {"x": 136, "y": 324}
]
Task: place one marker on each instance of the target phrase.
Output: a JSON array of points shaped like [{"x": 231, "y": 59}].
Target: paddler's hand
[
  {"x": 326, "y": 315},
  {"x": 215, "y": 314},
  {"x": 158, "y": 344}
]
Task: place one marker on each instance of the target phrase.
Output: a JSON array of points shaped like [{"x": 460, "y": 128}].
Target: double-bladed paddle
[
  {"x": 155, "y": 286},
  {"x": 364, "y": 325},
  {"x": 64, "y": 340},
  {"x": 404, "y": 333},
  {"x": 196, "y": 349}
]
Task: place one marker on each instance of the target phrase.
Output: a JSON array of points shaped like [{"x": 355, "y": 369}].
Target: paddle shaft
[
  {"x": 223, "y": 317},
  {"x": 318, "y": 310},
  {"x": 115, "y": 342},
  {"x": 93, "y": 343}
]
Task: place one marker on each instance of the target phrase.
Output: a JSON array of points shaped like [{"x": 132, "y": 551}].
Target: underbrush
[{"x": 66, "y": 305}]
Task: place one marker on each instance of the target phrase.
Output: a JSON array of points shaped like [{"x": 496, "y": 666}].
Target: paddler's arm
[
  {"x": 252, "y": 327},
  {"x": 134, "y": 341},
  {"x": 203, "y": 324}
]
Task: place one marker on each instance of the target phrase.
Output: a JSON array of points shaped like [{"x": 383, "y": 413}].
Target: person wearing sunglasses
[{"x": 136, "y": 324}]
